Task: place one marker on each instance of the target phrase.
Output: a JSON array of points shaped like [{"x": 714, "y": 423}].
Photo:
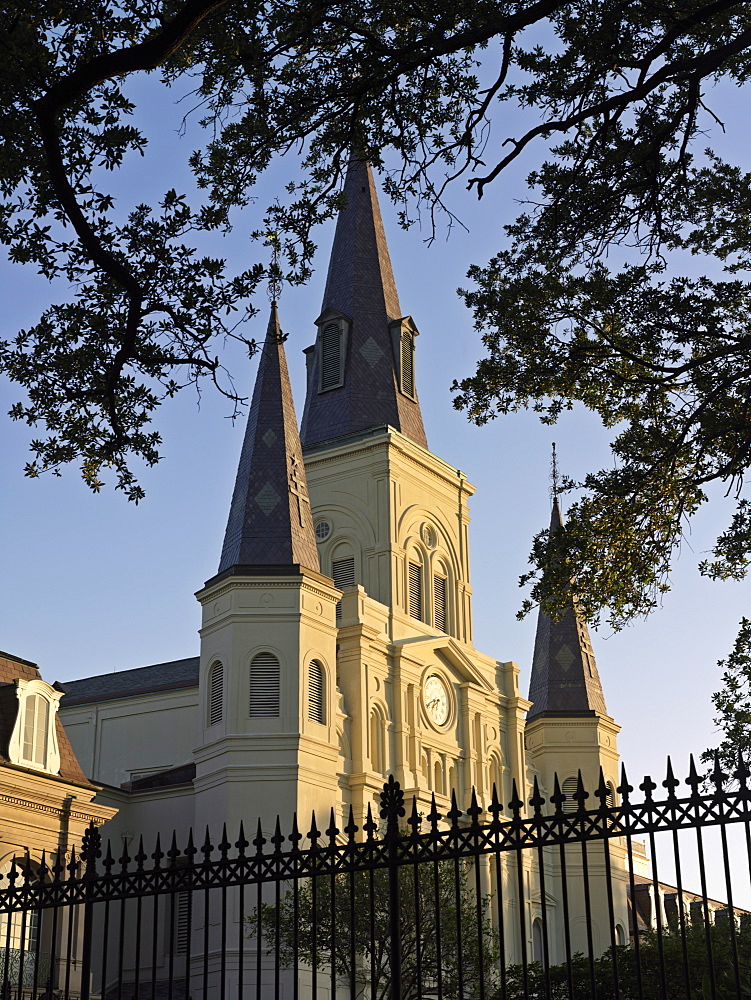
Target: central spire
[
  {"x": 361, "y": 368},
  {"x": 564, "y": 673}
]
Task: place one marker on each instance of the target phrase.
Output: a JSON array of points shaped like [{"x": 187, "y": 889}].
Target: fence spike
[
  {"x": 602, "y": 793},
  {"x": 474, "y": 810},
  {"x": 313, "y": 835},
  {"x": 158, "y": 853},
  {"x": 207, "y": 847},
  {"x": 516, "y": 804},
  {"x": 242, "y": 842},
  {"x": 295, "y": 836},
  {"x": 580, "y": 796},
  {"x": 332, "y": 833},
  {"x": 454, "y": 813},
  {"x": 278, "y": 837},
  {"x": 741, "y": 772},
  {"x": 557, "y": 798},
  {"x": 693, "y": 780},
  {"x": 351, "y": 828},
  {"x": 43, "y": 869},
  {"x": 495, "y": 808},
  {"x": 718, "y": 776},
  {"x": 174, "y": 851},
  {"x": 414, "y": 817},
  {"x": 670, "y": 782},
  {"x": 259, "y": 840},
  {"x": 537, "y": 801},
  {"x": 191, "y": 850},
  {"x": 58, "y": 868},
  {"x": 433, "y": 816},
  {"x": 624, "y": 789},
  {"x": 109, "y": 859},
  {"x": 141, "y": 855},
  {"x": 224, "y": 844},
  {"x": 72, "y": 867},
  {"x": 370, "y": 825},
  {"x": 124, "y": 859}
]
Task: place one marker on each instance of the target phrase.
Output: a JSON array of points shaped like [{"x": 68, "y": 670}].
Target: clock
[{"x": 436, "y": 698}]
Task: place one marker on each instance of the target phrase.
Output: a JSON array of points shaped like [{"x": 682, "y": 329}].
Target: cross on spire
[{"x": 297, "y": 486}]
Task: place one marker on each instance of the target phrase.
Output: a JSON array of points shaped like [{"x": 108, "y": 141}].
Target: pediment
[{"x": 449, "y": 651}]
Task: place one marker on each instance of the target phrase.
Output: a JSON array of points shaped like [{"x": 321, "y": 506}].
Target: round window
[{"x": 323, "y": 530}]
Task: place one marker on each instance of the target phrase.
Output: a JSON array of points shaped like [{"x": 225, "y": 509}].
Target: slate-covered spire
[
  {"x": 564, "y": 673},
  {"x": 270, "y": 525},
  {"x": 373, "y": 381}
]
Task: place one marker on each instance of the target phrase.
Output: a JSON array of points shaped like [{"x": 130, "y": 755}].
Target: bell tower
[{"x": 267, "y": 685}]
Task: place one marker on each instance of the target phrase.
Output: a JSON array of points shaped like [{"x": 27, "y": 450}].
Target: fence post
[
  {"x": 91, "y": 849},
  {"x": 392, "y": 808}
]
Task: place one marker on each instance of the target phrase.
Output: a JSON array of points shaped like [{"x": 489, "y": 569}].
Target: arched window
[
  {"x": 620, "y": 935},
  {"x": 377, "y": 748},
  {"x": 264, "y": 686},
  {"x": 438, "y": 778},
  {"x": 569, "y": 788},
  {"x": 452, "y": 781},
  {"x": 316, "y": 693},
  {"x": 537, "y": 948},
  {"x": 216, "y": 694},
  {"x": 36, "y": 724}
]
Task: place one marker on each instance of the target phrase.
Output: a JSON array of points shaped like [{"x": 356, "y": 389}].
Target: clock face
[{"x": 436, "y": 700}]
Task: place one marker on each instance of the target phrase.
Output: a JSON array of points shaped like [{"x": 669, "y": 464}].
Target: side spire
[
  {"x": 270, "y": 522},
  {"x": 564, "y": 672},
  {"x": 361, "y": 368}
]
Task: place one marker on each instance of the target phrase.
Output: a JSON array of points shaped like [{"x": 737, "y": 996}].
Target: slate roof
[
  {"x": 11, "y": 668},
  {"x": 168, "y": 676},
  {"x": 564, "y": 673},
  {"x": 270, "y": 521},
  {"x": 360, "y": 285}
]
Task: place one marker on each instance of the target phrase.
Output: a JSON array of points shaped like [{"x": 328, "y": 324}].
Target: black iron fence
[{"x": 548, "y": 898}]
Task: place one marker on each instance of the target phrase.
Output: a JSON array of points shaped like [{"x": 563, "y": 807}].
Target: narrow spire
[
  {"x": 372, "y": 388},
  {"x": 270, "y": 522},
  {"x": 564, "y": 673}
]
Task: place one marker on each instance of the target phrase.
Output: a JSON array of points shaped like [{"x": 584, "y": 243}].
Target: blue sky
[{"x": 92, "y": 584}]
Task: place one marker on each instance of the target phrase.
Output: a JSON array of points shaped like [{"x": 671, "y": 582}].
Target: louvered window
[
  {"x": 343, "y": 573},
  {"x": 316, "y": 693},
  {"x": 407, "y": 366},
  {"x": 216, "y": 694},
  {"x": 568, "y": 788},
  {"x": 439, "y": 602},
  {"x": 264, "y": 686},
  {"x": 415, "y": 590},
  {"x": 331, "y": 360}
]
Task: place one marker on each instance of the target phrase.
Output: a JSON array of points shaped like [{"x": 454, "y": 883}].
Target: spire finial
[
  {"x": 554, "y": 476},
  {"x": 275, "y": 273}
]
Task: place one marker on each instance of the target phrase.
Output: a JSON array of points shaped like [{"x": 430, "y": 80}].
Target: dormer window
[{"x": 33, "y": 742}]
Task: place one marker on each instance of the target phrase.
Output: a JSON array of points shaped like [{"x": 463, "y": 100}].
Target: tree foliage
[
  {"x": 622, "y": 286},
  {"x": 685, "y": 961},
  {"x": 447, "y": 942}
]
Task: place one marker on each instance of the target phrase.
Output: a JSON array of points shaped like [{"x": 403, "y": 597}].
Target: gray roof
[
  {"x": 270, "y": 522},
  {"x": 360, "y": 286},
  {"x": 564, "y": 673},
  {"x": 126, "y": 683}
]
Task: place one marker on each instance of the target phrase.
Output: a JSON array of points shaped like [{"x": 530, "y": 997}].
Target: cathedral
[{"x": 336, "y": 641}]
